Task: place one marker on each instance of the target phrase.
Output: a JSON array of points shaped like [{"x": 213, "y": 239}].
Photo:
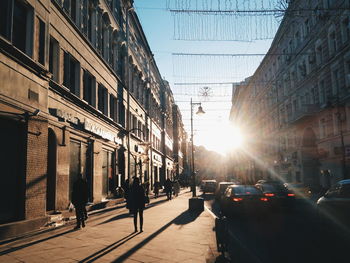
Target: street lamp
[{"x": 199, "y": 112}]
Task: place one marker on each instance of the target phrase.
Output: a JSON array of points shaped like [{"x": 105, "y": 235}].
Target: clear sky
[{"x": 158, "y": 25}]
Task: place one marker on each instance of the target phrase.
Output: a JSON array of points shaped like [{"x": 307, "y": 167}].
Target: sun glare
[{"x": 223, "y": 139}]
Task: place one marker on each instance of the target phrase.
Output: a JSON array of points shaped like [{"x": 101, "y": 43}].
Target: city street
[
  {"x": 285, "y": 236},
  {"x": 171, "y": 234}
]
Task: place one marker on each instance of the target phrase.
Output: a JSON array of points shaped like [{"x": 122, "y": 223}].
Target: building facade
[
  {"x": 80, "y": 93},
  {"x": 297, "y": 102}
]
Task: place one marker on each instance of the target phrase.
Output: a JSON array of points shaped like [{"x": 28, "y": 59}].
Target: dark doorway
[
  {"x": 310, "y": 162},
  {"x": 51, "y": 172},
  {"x": 12, "y": 154}
]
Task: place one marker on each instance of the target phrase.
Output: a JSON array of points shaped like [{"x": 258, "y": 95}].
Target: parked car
[
  {"x": 221, "y": 188},
  {"x": 242, "y": 200},
  {"x": 278, "y": 194},
  {"x": 301, "y": 191},
  {"x": 208, "y": 186},
  {"x": 335, "y": 204}
]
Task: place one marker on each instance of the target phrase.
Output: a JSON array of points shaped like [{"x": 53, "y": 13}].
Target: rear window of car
[
  {"x": 247, "y": 190},
  {"x": 273, "y": 188}
]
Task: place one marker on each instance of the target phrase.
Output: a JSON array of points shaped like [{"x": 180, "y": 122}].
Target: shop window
[
  {"x": 71, "y": 75},
  {"x": 54, "y": 56},
  {"x": 78, "y": 164},
  {"x": 16, "y": 24},
  {"x": 102, "y": 99},
  {"x": 89, "y": 88},
  {"x": 108, "y": 174}
]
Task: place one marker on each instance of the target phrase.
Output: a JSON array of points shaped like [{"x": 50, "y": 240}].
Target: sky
[{"x": 193, "y": 76}]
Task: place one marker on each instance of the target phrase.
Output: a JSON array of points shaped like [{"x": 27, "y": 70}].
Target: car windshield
[{"x": 246, "y": 190}]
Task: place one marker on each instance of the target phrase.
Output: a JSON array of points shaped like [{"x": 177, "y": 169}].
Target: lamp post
[{"x": 200, "y": 111}]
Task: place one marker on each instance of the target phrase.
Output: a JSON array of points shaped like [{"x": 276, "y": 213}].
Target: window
[
  {"x": 319, "y": 54},
  {"x": 335, "y": 82},
  {"x": 322, "y": 92},
  {"x": 71, "y": 7},
  {"x": 71, "y": 75},
  {"x": 40, "y": 40},
  {"x": 18, "y": 16},
  {"x": 306, "y": 27},
  {"x": 102, "y": 99},
  {"x": 54, "y": 57},
  {"x": 85, "y": 16},
  {"x": 89, "y": 88},
  {"x": 113, "y": 108},
  {"x": 345, "y": 30},
  {"x": 332, "y": 41}
]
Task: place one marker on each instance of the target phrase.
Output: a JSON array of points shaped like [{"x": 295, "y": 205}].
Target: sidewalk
[{"x": 171, "y": 234}]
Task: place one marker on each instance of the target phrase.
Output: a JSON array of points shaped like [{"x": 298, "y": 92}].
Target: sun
[{"x": 223, "y": 138}]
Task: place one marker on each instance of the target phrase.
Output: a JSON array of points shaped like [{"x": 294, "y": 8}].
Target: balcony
[{"x": 305, "y": 111}]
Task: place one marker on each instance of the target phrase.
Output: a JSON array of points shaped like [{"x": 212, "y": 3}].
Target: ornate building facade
[
  {"x": 80, "y": 93},
  {"x": 296, "y": 107}
]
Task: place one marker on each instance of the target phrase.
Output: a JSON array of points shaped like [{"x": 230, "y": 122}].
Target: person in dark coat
[
  {"x": 79, "y": 200},
  {"x": 137, "y": 200},
  {"x": 168, "y": 187}
]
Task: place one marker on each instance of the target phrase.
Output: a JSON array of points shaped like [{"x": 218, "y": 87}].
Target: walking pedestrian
[
  {"x": 168, "y": 188},
  {"x": 136, "y": 202},
  {"x": 79, "y": 200},
  {"x": 176, "y": 187}
]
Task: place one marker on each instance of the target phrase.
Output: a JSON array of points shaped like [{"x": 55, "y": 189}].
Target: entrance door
[
  {"x": 12, "y": 154},
  {"x": 108, "y": 175},
  {"x": 51, "y": 171}
]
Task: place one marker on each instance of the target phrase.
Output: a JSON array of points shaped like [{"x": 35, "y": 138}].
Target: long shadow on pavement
[
  {"x": 12, "y": 249},
  {"x": 184, "y": 218},
  {"x": 108, "y": 249},
  {"x": 181, "y": 219}
]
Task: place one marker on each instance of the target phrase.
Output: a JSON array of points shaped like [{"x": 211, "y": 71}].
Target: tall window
[
  {"x": 89, "y": 88},
  {"x": 39, "y": 40},
  {"x": 16, "y": 24},
  {"x": 102, "y": 99},
  {"x": 319, "y": 54},
  {"x": 332, "y": 41},
  {"x": 345, "y": 29},
  {"x": 71, "y": 75},
  {"x": 54, "y": 59},
  {"x": 335, "y": 82},
  {"x": 113, "y": 113}
]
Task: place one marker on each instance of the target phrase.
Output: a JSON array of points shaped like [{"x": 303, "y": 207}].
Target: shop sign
[
  {"x": 67, "y": 116},
  {"x": 97, "y": 129}
]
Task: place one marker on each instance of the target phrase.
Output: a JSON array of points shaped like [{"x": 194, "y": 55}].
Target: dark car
[
  {"x": 243, "y": 199},
  {"x": 221, "y": 188},
  {"x": 208, "y": 186},
  {"x": 335, "y": 204},
  {"x": 279, "y": 195}
]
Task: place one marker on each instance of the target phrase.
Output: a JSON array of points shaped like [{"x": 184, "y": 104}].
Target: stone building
[
  {"x": 80, "y": 92},
  {"x": 297, "y": 111}
]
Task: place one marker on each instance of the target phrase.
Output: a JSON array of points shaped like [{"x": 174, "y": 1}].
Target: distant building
[
  {"x": 296, "y": 107},
  {"x": 80, "y": 92}
]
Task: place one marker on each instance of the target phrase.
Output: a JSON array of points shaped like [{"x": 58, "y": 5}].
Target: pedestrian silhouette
[
  {"x": 168, "y": 187},
  {"x": 79, "y": 200},
  {"x": 136, "y": 202}
]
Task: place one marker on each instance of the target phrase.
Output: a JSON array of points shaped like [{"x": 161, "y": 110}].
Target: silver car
[{"x": 335, "y": 204}]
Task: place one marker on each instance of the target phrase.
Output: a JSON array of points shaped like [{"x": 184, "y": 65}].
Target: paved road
[{"x": 286, "y": 236}]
